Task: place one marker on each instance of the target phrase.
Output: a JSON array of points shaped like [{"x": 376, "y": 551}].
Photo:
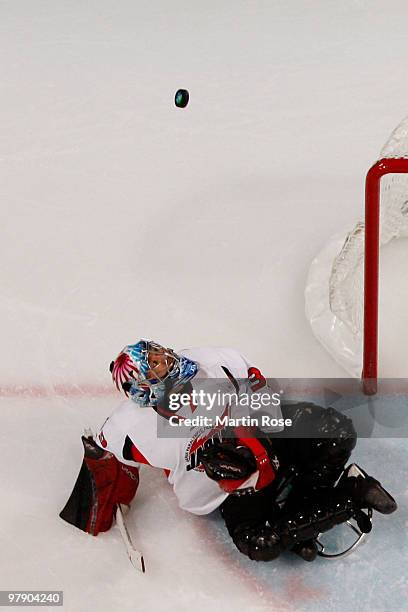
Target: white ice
[{"x": 124, "y": 216}]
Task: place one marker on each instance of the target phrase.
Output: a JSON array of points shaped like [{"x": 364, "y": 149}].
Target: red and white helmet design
[{"x": 123, "y": 369}]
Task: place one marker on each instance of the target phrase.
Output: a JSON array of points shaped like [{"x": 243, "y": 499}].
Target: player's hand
[{"x": 226, "y": 461}]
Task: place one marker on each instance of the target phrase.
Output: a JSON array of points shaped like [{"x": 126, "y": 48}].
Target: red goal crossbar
[{"x": 371, "y": 265}]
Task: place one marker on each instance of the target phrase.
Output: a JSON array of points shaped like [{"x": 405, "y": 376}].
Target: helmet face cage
[
  {"x": 145, "y": 362},
  {"x": 162, "y": 362}
]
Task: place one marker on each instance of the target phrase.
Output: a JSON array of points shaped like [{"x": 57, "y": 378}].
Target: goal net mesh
[
  {"x": 335, "y": 287},
  {"x": 346, "y": 284}
]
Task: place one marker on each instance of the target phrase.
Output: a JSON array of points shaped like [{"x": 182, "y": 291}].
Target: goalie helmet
[{"x": 146, "y": 364}]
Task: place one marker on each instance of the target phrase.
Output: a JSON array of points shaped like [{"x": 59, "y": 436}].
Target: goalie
[{"x": 275, "y": 492}]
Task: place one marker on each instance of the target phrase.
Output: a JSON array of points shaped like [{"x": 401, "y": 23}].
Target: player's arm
[{"x": 267, "y": 389}]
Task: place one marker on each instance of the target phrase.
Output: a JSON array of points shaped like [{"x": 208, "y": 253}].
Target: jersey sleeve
[
  {"x": 266, "y": 389},
  {"x": 130, "y": 433}
]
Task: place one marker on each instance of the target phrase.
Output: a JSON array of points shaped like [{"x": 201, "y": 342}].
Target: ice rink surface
[{"x": 125, "y": 217}]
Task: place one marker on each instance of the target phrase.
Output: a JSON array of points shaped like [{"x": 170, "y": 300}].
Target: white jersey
[{"x": 131, "y": 432}]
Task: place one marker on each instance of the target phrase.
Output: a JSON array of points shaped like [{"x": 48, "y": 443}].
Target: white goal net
[{"x": 335, "y": 286}]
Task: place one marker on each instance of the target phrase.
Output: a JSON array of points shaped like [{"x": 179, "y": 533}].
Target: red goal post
[
  {"x": 372, "y": 265},
  {"x": 342, "y": 288}
]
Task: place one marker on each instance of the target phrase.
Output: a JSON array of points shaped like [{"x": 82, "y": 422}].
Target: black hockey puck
[{"x": 181, "y": 98}]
